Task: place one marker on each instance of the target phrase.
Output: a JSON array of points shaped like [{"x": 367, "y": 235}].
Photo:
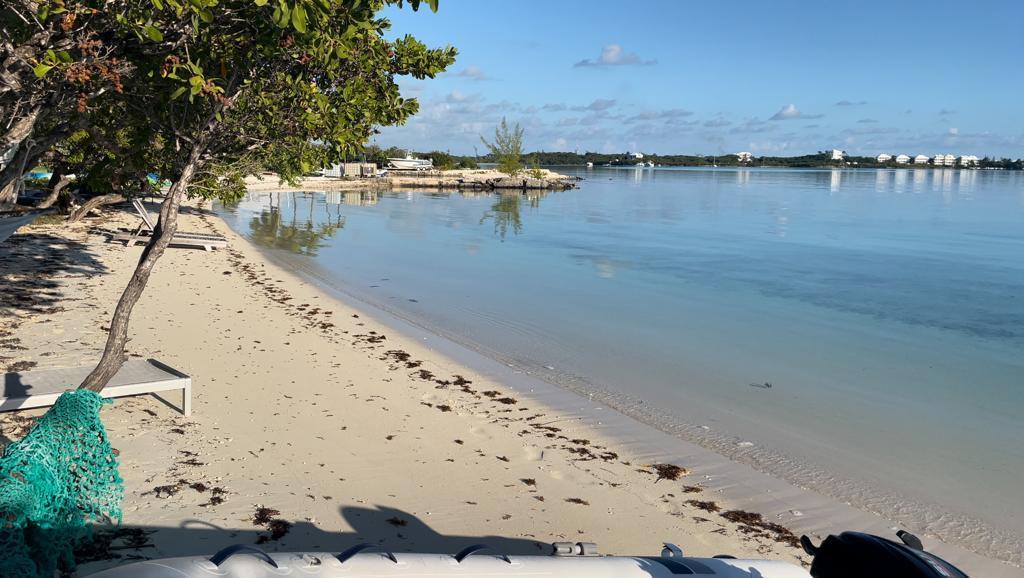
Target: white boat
[
  {"x": 650, "y": 164},
  {"x": 836, "y": 557},
  {"x": 410, "y": 163},
  {"x": 590, "y": 165},
  {"x": 641, "y": 164},
  {"x": 472, "y": 562}
]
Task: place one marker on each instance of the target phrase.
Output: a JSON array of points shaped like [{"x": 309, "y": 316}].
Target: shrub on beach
[{"x": 507, "y": 147}]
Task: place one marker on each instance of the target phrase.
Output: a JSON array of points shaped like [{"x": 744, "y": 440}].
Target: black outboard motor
[{"x": 857, "y": 555}]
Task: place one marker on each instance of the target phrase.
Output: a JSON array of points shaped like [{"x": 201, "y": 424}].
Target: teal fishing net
[{"x": 59, "y": 477}]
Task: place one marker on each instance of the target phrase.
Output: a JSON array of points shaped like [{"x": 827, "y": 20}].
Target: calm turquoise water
[{"x": 886, "y": 308}]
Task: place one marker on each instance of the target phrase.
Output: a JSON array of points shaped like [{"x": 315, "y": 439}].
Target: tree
[
  {"x": 211, "y": 91},
  {"x": 56, "y": 58},
  {"x": 507, "y": 147}
]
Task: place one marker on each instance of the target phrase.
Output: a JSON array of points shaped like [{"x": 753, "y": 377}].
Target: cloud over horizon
[
  {"x": 791, "y": 112},
  {"x": 615, "y": 55}
]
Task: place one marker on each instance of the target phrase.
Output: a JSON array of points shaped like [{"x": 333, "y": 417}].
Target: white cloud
[
  {"x": 559, "y": 144},
  {"x": 473, "y": 72},
  {"x": 851, "y": 103},
  {"x": 953, "y": 131},
  {"x": 598, "y": 105},
  {"x": 615, "y": 55},
  {"x": 787, "y": 113},
  {"x": 791, "y": 112}
]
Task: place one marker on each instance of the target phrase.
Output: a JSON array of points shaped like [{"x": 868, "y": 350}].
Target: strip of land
[
  {"x": 461, "y": 179},
  {"x": 315, "y": 428}
]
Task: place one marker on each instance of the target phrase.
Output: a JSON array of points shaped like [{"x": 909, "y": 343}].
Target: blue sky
[{"x": 780, "y": 77}]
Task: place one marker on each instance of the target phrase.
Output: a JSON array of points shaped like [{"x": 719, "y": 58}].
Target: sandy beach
[{"x": 316, "y": 427}]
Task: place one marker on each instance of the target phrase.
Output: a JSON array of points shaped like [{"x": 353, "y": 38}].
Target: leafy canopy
[{"x": 252, "y": 85}]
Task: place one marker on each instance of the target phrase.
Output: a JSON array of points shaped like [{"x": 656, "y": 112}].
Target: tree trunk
[
  {"x": 19, "y": 131},
  {"x": 94, "y": 203},
  {"x": 113, "y": 352},
  {"x": 56, "y": 188}
]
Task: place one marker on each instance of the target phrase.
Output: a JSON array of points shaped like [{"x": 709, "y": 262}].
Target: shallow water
[{"x": 885, "y": 308}]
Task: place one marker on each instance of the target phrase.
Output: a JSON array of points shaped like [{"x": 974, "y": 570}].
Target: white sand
[{"x": 298, "y": 407}]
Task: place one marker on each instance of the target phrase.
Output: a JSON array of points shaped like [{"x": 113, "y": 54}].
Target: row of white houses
[{"x": 946, "y": 160}]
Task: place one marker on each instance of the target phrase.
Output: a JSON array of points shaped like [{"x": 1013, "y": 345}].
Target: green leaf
[
  {"x": 282, "y": 14},
  {"x": 206, "y": 16},
  {"x": 154, "y": 34},
  {"x": 159, "y": 4},
  {"x": 299, "y": 18},
  {"x": 41, "y": 70},
  {"x": 261, "y": 2},
  {"x": 179, "y": 92}
]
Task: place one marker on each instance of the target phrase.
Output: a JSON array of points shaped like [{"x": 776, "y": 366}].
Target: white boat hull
[
  {"x": 411, "y": 164},
  {"x": 377, "y": 565}
]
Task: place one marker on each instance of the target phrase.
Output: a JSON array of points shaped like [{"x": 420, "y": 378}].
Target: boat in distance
[{"x": 410, "y": 163}]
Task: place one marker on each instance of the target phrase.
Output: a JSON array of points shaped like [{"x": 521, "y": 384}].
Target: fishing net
[{"x": 60, "y": 476}]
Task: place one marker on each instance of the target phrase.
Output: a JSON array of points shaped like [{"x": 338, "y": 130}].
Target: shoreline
[
  {"x": 315, "y": 429},
  {"x": 643, "y": 433},
  {"x": 255, "y": 447}
]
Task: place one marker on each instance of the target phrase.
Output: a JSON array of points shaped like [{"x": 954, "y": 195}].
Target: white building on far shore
[
  {"x": 837, "y": 155},
  {"x": 921, "y": 160},
  {"x": 637, "y": 156},
  {"x": 968, "y": 161},
  {"x": 883, "y": 158},
  {"x": 745, "y": 157},
  {"x": 944, "y": 160},
  {"x": 902, "y": 159}
]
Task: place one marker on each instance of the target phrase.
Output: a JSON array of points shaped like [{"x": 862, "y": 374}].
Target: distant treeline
[{"x": 821, "y": 159}]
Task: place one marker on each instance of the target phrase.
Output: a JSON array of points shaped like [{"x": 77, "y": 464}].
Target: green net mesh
[{"x": 55, "y": 480}]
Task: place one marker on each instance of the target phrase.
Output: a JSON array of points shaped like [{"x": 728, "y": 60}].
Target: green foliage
[
  {"x": 442, "y": 160},
  {"x": 507, "y": 147},
  {"x": 254, "y": 83},
  {"x": 535, "y": 171},
  {"x": 468, "y": 163}
]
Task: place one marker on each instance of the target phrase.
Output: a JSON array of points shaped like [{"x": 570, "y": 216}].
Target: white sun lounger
[
  {"x": 41, "y": 388},
  {"x": 144, "y": 232}
]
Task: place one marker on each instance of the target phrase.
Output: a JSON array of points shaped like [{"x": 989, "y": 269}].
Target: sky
[{"x": 674, "y": 76}]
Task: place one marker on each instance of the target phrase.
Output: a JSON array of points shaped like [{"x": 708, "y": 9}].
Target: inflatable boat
[{"x": 850, "y": 555}]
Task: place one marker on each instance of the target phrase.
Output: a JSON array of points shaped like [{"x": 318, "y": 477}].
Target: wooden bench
[{"x": 41, "y": 388}]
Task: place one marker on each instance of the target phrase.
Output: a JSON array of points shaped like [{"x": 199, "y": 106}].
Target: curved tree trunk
[
  {"x": 166, "y": 226},
  {"x": 93, "y": 203},
  {"x": 55, "y": 189}
]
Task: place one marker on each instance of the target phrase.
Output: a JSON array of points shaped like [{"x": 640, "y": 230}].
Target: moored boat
[{"x": 410, "y": 163}]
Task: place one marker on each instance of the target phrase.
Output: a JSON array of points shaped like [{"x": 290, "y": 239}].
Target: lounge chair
[
  {"x": 144, "y": 232},
  {"x": 41, "y": 388}
]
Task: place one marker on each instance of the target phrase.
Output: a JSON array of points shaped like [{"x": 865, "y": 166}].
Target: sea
[{"x": 859, "y": 333}]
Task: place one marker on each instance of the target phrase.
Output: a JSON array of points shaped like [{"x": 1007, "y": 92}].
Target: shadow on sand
[
  {"x": 29, "y": 265},
  {"x": 396, "y": 530}
]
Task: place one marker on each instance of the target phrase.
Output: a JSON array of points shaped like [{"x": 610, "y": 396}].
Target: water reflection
[
  {"x": 305, "y": 235},
  {"x": 506, "y": 214}
]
